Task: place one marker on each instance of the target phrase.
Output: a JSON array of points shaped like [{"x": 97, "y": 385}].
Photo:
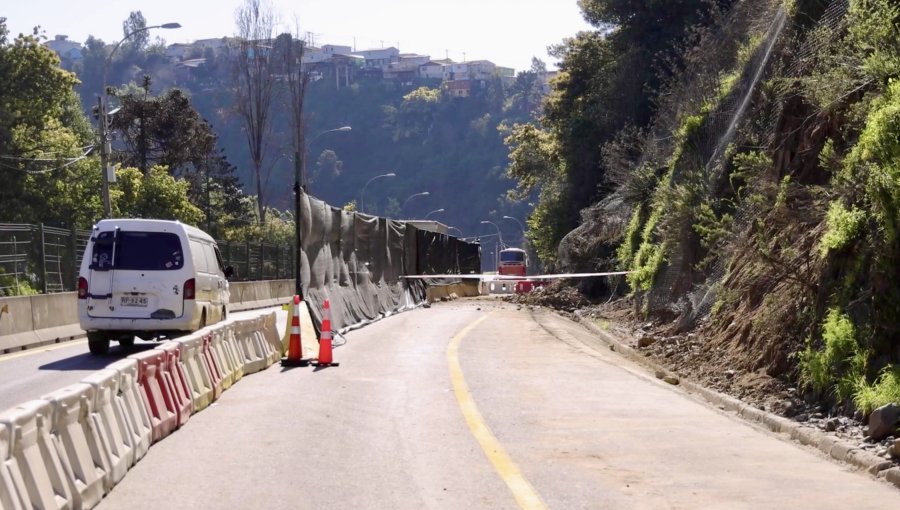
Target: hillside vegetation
[{"x": 753, "y": 191}]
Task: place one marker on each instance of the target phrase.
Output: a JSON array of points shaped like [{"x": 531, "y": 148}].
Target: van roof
[{"x": 140, "y": 224}]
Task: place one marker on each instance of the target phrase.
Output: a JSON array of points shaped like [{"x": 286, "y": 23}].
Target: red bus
[{"x": 512, "y": 262}]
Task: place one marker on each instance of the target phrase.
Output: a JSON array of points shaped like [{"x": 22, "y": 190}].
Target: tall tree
[
  {"x": 161, "y": 130},
  {"x": 255, "y": 86},
  {"x": 135, "y": 23},
  {"x": 46, "y": 173}
]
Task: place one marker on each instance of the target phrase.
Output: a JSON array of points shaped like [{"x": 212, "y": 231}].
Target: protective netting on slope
[
  {"x": 356, "y": 261},
  {"x": 698, "y": 302}
]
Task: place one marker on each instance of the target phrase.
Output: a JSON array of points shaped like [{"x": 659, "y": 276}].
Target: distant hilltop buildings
[{"x": 340, "y": 64}]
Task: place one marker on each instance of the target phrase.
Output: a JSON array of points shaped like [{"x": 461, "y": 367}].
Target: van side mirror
[{"x": 229, "y": 271}]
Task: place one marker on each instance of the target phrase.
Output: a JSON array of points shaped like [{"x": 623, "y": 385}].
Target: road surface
[{"x": 477, "y": 404}]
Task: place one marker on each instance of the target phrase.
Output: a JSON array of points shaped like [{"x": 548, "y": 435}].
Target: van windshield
[{"x": 148, "y": 251}]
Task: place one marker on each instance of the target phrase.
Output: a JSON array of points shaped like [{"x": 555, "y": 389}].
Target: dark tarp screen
[{"x": 356, "y": 262}]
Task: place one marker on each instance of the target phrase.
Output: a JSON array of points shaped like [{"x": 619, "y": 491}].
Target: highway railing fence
[{"x": 41, "y": 259}]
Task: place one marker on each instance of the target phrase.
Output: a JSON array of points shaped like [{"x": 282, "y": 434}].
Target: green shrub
[
  {"x": 840, "y": 364},
  {"x": 886, "y": 390},
  {"x": 842, "y": 227}
]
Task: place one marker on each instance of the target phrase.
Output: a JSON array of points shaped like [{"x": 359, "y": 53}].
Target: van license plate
[{"x": 133, "y": 301}]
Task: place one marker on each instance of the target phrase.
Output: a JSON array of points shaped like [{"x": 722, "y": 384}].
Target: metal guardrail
[{"x": 43, "y": 259}]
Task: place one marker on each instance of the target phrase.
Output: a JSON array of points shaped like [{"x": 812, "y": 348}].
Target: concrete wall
[{"x": 32, "y": 321}]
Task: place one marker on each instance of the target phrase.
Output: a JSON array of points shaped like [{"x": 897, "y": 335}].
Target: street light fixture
[
  {"x": 499, "y": 235},
  {"x": 422, "y": 194},
  {"x": 103, "y": 120},
  {"x": 302, "y": 171},
  {"x": 434, "y": 211},
  {"x": 300, "y": 182},
  {"x": 522, "y": 227},
  {"x": 362, "y": 196}
]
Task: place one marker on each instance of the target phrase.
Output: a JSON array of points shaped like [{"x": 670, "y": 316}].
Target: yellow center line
[
  {"x": 522, "y": 490},
  {"x": 38, "y": 350}
]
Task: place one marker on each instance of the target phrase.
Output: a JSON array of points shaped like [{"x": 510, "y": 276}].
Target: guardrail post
[
  {"x": 73, "y": 246},
  {"x": 248, "y": 260},
  {"x": 43, "y": 254},
  {"x": 277, "y": 260},
  {"x": 262, "y": 260}
]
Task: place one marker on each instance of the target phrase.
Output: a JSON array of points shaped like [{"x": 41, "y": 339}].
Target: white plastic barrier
[
  {"x": 9, "y": 494},
  {"x": 137, "y": 417},
  {"x": 109, "y": 420},
  {"x": 197, "y": 373},
  {"x": 41, "y": 477},
  {"x": 270, "y": 332},
  {"x": 254, "y": 357},
  {"x": 266, "y": 349},
  {"x": 79, "y": 443},
  {"x": 232, "y": 350}
]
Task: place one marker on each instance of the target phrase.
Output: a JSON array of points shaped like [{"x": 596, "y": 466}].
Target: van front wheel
[{"x": 98, "y": 343}]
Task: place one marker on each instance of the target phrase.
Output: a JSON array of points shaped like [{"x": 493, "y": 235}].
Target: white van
[{"x": 149, "y": 278}]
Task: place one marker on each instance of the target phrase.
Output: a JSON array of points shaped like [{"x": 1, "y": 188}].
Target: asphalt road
[
  {"x": 477, "y": 404},
  {"x": 29, "y": 374}
]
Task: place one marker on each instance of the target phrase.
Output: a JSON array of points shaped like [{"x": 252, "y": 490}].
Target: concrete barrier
[
  {"x": 38, "y": 320},
  {"x": 33, "y": 321}
]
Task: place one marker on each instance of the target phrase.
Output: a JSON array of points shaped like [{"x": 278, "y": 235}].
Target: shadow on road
[{"x": 88, "y": 361}]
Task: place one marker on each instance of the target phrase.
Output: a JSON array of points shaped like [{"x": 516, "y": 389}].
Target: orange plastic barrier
[
  {"x": 137, "y": 414},
  {"x": 215, "y": 374},
  {"x": 184, "y": 405},
  {"x": 157, "y": 392},
  {"x": 40, "y": 477},
  {"x": 79, "y": 443},
  {"x": 108, "y": 418}
]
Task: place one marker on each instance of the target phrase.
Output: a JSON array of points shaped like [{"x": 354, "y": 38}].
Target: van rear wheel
[{"x": 98, "y": 343}]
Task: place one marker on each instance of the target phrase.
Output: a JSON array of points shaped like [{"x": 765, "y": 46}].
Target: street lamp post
[
  {"x": 522, "y": 227},
  {"x": 302, "y": 170},
  {"x": 432, "y": 212},
  {"x": 362, "y": 196},
  {"x": 414, "y": 195},
  {"x": 103, "y": 119},
  {"x": 300, "y": 183},
  {"x": 499, "y": 243},
  {"x": 456, "y": 229}
]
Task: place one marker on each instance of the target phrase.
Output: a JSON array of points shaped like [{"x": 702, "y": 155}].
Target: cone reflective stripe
[
  {"x": 325, "y": 357},
  {"x": 295, "y": 347}
]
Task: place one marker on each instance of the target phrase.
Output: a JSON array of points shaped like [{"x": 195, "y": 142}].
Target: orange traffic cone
[
  {"x": 325, "y": 359},
  {"x": 295, "y": 347}
]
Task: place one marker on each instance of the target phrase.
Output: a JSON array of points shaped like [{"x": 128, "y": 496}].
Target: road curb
[{"x": 830, "y": 445}]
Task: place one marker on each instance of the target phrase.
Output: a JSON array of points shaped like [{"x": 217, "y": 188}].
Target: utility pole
[{"x": 104, "y": 154}]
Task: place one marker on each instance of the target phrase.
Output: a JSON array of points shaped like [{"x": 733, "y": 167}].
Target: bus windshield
[{"x": 512, "y": 256}]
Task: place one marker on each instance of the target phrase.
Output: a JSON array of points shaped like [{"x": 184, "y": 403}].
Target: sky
[{"x": 506, "y": 32}]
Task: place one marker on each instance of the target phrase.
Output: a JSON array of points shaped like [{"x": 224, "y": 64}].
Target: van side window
[
  {"x": 198, "y": 257},
  {"x": 219, "y": 259},
  {"x": 210, "y": 258}
]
